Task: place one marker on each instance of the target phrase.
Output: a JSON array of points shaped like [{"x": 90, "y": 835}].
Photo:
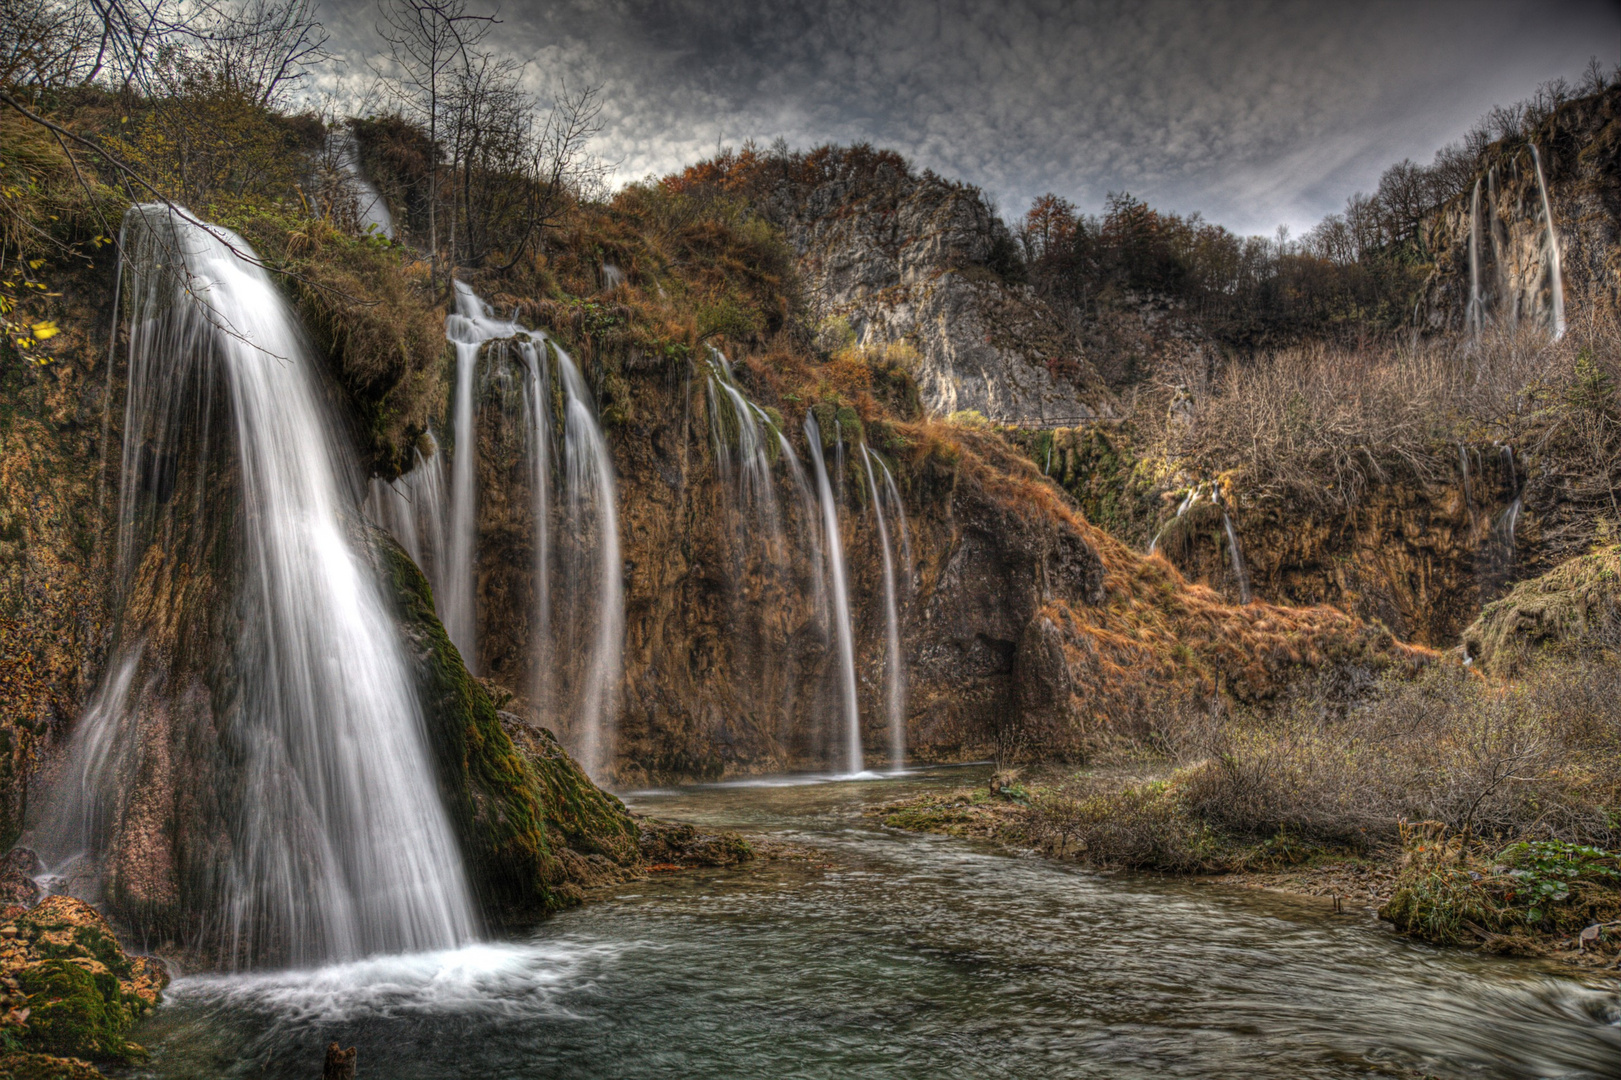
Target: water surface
[{"x": 901, "y": 955}]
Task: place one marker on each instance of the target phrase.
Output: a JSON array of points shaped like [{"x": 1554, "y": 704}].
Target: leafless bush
[
  {"x": 1323, "y": 423},
  {"x": 1540, "y": 759}
]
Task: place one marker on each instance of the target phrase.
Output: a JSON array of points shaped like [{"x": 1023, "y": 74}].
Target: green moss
[
  {"x": 20, "y": 1066},
  {"x": 76, "y": 1013},
  {"x": 513, "y": 810}
]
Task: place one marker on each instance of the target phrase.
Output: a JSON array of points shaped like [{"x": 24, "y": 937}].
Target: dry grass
[
  {"x": 1324, "y": 423},
  {"x": 1339, "y": 768}
]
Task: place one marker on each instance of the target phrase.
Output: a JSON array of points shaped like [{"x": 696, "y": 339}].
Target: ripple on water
[{"x": 902, "y": 955}]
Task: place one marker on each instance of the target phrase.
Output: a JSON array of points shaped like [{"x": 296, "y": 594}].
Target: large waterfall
[{"x": 339, "y": 846}]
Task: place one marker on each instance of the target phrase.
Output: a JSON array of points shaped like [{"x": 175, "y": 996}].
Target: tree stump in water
[{"x": 340, "y": 1064}]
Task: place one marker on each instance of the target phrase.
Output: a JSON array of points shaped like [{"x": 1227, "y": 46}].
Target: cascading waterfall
[
  {"x": 467, "y": 328},
  {"x": 371, "y": 209},
  {"x": 339, "y": 846},
  {"x": 1476, "y": 314},
  {"x": 1555, "y": 274},
  {"x": 591, "y": 508},
  {"x": 1187, "y": 501},
  {"x": 539, "y": 403},
  {"x": 894, "y": 675},
  {"x": 841, "y": 600},
  {"x": 578, "y": 586},
  {"x": 1510, "y": 521},
  {"x": 748, "y": 466}
]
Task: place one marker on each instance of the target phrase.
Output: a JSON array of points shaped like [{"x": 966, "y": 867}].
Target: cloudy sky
[{"x": 1254, "y": 113}]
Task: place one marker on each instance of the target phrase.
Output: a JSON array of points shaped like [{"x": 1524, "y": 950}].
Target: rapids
[{"x": 904, "y": 955}]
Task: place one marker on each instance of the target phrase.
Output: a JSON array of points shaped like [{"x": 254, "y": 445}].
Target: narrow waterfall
[
  {"x": 339, "y": 846},
  {"x": 1555, "y": 274},
  {"x": 1476, "y": 314},
  {"x": 592, "y": 511},
  {"x": 1463, "y": 465},
  {"x": 894, "y": 673},
  {"x": 539, "y": 403},
  {"x": 900, "y": 517},
  {"x": 1510, "y": 521},
  {"x": 371, "y": 210},
  {"x": 1504, "y": 286},
  {"x": 841, "y": 599},
  {"x": 1237, "y": 557},
  {"x": 467, "y": 328},
  {"x": 412, "y": 509}
]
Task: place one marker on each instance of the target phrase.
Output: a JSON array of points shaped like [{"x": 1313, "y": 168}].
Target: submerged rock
[
  {"x": 669, "y": 843},
  {"x": 68, "y": 989}
]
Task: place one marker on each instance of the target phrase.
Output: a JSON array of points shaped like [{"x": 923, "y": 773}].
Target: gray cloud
[{"x": 1253, "y": 113}]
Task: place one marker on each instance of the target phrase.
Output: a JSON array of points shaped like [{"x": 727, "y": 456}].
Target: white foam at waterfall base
[
  {"x": 340, "y": 845},
  {"x": 514, "y": 980}
]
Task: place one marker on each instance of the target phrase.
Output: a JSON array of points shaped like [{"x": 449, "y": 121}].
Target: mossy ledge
[{"x": 534, "y": 829}]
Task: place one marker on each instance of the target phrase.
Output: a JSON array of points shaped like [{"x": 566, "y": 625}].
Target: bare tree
[
  {"x": 263, "y": 48},
  {"x": 429, "y": 42}
]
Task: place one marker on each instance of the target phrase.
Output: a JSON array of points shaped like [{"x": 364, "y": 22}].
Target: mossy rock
[
  {"x": 679, "y": 844},
  {"x": 22, "y": 1066},
  {"x": 1575, "y": 608},
  {"x": 519, "y": 814},
  {"x": 76, "y": 1011}
]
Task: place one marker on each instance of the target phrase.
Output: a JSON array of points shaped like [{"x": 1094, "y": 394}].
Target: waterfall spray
[
  {"x": 338, "y": 843},
  {"x": 1555, "y": 275},
  {"x": 894, "y": 675},
  {"x": 841, "y": 600}
]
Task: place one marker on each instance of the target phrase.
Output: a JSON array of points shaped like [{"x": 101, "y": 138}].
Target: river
[{"x": 901, "y": 955}]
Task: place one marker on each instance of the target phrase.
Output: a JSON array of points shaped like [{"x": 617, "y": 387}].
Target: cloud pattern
[{"x": 1254, "y": 113}]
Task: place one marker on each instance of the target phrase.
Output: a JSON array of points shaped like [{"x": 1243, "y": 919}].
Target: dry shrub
[
  {"x": 1323, "y": 423},
  {"x": 1536, "y": 760}
]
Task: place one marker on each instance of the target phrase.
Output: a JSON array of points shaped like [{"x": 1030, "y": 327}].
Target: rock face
[
  {"x": 70, "y": 990},
  {"x": 904, "y": 259},
  {"x": 1580, "y": 147}
]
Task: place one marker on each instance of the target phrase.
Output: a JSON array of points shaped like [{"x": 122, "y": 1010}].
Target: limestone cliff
[
  {"x": 906, "y": 258},
  {"x": 1580, "y": 151}
]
